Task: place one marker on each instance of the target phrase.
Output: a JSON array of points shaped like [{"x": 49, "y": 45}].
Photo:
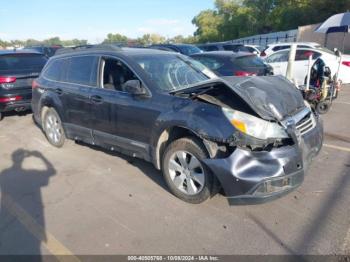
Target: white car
[
  {"x": 272, "y": 48},
  {"x": 279, "y": 62},
  {"x": 253, "y": 49}
]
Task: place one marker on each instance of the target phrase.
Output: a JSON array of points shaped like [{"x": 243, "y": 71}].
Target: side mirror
[
  {"x": 134, "y": 87},
  {"x": 337, "y": 52}
]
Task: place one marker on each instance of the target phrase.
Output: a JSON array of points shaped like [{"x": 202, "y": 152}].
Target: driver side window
[{"x": 114, "y": 74}]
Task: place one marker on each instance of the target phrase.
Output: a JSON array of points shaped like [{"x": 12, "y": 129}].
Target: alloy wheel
[
  {"x": 186, "y": 172},
  {"x": 53, "y": 128}
]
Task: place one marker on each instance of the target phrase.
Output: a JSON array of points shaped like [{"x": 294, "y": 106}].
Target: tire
[
  {"x": 184, "y": 172},
  {"x": 323, "y": 107},
  {"x": 1, "y": 116},
  {"x": 53, "y": 129}
]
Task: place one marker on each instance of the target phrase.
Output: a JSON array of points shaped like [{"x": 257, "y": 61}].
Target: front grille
[{"x": 306, "y": 124}]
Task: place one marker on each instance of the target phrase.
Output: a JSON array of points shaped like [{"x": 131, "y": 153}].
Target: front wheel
[
  {"x": 184, "y": 172},
  {"x": 53, "y": 128},
  {"x": 323, "y": 107}
]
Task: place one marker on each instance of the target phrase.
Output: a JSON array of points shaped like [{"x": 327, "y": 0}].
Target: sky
[{"x": 93, "y": 20}]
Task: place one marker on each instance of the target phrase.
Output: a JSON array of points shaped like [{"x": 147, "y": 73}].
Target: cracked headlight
[{"x": 253, "y": 126}]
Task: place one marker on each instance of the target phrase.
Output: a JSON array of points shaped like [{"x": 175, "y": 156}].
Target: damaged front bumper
[{"x": 249, "y": 177}]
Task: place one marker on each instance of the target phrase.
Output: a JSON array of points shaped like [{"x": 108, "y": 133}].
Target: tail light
[
  {"x": 244, "y": 73},
  {"x": 263, "y": 53},
  {"x": 10, "y": 99},
  {"x": 346, "y": 63},
  {"x": 7, "y": 79},
  {"x": 35, "y": 84}
]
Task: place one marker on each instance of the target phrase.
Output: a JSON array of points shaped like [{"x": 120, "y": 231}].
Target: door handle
[
  {"x": 96, "y": 99},
  {"x": 59, "y": 91}
]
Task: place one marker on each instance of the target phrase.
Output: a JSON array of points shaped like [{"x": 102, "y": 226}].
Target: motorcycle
[{"x": 323, "y": 88}]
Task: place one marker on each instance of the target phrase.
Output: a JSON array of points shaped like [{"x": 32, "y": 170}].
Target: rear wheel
[
  {"x": 184, "y": 172},
  {"x": 53, "y": 128}
]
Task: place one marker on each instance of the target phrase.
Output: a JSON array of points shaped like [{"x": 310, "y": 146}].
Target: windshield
[
  {"x": 22, "y": 62},
  {"x": 173, "y": 72},
  {"x": 189, "y": 49}
]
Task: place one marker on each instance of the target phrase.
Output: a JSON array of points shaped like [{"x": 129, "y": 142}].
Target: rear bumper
[
  {"x": 15, "y": 106},
  {"x": 255, "y": 177},
  {"x": 23, "y": 104}
]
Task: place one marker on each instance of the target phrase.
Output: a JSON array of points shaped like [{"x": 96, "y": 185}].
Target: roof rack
[{"x": 106, "y": 47}]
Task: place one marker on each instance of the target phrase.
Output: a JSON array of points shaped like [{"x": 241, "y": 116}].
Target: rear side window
[
  {"x": 280, "y": 47},
  {"x": 55, "y": 70},
  {"x": 82, "y": 70},
  {"x": 22, "y": 62},
  {"x": 210, "y": 48},
  {"x": 231, "y": 48},
  {"x": 248, "y": 61},
  {"x": 302, "y": 55},
  {"x": 212, "y": 63},
  {"x": 236, "y": 48}
]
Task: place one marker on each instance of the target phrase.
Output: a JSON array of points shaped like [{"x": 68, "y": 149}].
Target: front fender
[{"x": 206, "y": 121}]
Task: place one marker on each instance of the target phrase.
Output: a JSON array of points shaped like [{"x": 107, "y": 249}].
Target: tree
[
  {"x": 208, "y": 23},
  {"x": 149, "y": 39},
  {"x": 115, "y": 38},
  {"x": 231, "y": 19},
  {"x": 180, "y": 39}
]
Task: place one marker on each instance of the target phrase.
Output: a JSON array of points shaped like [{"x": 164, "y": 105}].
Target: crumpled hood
[{"x": 271, "y": 97}]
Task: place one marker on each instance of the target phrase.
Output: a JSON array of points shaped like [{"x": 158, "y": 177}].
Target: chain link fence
[{"x": 265, "y": 39}]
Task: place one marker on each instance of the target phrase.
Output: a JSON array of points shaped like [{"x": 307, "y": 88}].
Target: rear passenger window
[
  {"x": 55, "y": 70},
  {"x": 280, "y": 47},
  {"x": 210, "y": 48},
  {"x": 82, "y": 70},
  {"x": 209, "y": 62},
  {"x": 302, "y": 55}
]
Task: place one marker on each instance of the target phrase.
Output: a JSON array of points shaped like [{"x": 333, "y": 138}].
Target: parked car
[
  {"x": 17, "y": 71},
  {"x": 46, "y": 50},
  {"x": 223, "y": 46},
  {"x": 226, "y": 63},
  {"x": 272, "y": 48},
  {"x": 203, "y": 132},
  {"x": 184, "y": 49},
  {"x": 279, "y": 62},
  {"x": 255, "y": 49}
]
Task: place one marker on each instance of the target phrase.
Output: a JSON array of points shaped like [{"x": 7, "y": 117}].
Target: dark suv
[
  {"x": 254, "y": 136},
  {"x": 45, "y": 50},
  {"x": 17, "y": 71}
]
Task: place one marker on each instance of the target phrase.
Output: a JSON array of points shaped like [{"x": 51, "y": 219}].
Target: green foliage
[
  {"x": 149, "y": 39},
  {"x": 208, "y": 23},
  {"x": 115, "y": 38},
  {"x": 233, "y": 19},
  {"x": 50, "y": 41}
]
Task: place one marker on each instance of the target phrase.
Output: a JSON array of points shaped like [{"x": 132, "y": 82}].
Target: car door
[
  {"x": 121, "y": 120},
  {"x": 301, "y": 65},
  {"x": 80, "y": 79},
  {"x": 279, "y": 61}
]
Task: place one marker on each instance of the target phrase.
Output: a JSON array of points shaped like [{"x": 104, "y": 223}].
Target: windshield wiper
[{"x": 194, "y": 92}]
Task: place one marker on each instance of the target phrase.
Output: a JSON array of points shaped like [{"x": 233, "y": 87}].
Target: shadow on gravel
[
  {"x": 145, "y": 167},
  {"x": 14, "y": 113},
  {"x": 22, "y": 222},
  {"x": 313, "y": 233}
]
